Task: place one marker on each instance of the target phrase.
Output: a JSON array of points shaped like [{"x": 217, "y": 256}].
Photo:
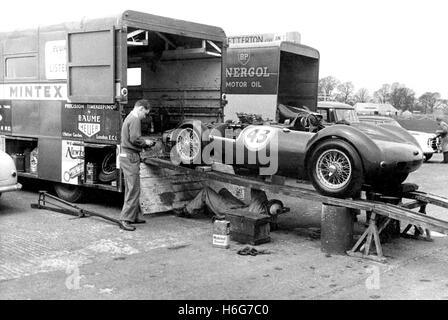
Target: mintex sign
[
  {"x": 99, "y": 122},
  {"x": 250, "y": 71},
  {"x": 33, "y": 91}
]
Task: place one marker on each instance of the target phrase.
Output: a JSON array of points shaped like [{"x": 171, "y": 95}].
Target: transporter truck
[{"x": 65, "y": 90}]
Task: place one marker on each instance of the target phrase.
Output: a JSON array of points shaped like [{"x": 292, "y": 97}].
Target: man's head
[
  {"x": 439, "y": 119},
  {"x": 142, "y": 107}
]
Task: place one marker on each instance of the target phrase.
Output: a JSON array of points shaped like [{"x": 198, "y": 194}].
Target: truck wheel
[
  {"x": 428, "y": 156},
  {"x": 336, "y": 169},
  {"x": 108, "y": 171},
  {"x": 187, "y": 145},
  {"x": 68, "y": 192}
]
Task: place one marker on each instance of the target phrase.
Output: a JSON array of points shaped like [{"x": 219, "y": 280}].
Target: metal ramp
[{"x": 377, "y": 206}]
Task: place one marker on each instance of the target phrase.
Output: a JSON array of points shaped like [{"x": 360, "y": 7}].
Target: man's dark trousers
[{"x": 130, "y": 164}]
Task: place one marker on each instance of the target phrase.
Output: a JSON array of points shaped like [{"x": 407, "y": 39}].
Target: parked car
[
  {"x": 336, "y": 112},
  {"x": 337, "y": 158},
  {"x": 8, "y": 174},
  {"x": 427, "y": 141}
]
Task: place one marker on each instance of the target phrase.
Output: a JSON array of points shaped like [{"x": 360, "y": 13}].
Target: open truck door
[
  {"x": 263, "y": 72},
  {"x": 90, "y": 65}
]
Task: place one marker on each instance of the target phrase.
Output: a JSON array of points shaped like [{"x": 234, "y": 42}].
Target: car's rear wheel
[
  {"x": 68, "y": 192},
  {"x": 336, "y": 169},
  {"x": 187, "y": 145}
]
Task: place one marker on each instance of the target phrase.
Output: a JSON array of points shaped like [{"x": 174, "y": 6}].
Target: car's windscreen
[{"x": 348, "y": 115}]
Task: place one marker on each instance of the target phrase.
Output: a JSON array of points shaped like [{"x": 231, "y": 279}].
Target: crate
[{"x": 248, "y": 227}]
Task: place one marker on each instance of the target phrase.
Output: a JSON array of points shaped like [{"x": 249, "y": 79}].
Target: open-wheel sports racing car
[{"x": 337, "y": 158}]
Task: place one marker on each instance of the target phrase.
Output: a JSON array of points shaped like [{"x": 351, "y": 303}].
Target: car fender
[
  {"x": 371, "y": 155},
  {"x": 402, "y": 133}
]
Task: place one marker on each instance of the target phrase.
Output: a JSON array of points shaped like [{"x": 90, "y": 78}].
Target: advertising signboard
[{"x": 97, "y": 122}]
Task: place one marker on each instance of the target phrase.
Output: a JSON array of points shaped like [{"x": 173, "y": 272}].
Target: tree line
[{"x": 398, "y": 95}]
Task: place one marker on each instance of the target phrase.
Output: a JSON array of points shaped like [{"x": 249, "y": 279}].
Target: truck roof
[
  {"x": 132, "y": 19},
  {"x": 286, "y": 46}
]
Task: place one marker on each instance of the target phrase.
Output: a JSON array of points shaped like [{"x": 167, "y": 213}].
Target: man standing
[
  {"x": 131, "y": 146},
  {"x": 443, "y": 133}
]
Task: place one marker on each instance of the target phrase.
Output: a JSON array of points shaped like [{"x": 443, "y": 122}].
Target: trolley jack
[{"x": 59, "y": 206}]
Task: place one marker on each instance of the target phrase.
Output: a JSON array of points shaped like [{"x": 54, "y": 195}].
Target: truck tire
[
  {"x": 427, "y": 156},
  {"x": 336, "y": 169},
  {"x": 68, "y": 192}
]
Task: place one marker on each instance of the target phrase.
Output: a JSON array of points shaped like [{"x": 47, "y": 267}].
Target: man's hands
[{"x": 149, "y": 143}]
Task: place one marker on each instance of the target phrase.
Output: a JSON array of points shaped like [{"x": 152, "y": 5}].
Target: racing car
[{"x": 338, "y": 159}]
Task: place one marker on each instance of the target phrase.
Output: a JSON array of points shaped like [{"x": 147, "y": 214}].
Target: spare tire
[{"x": 108, "y": 171}]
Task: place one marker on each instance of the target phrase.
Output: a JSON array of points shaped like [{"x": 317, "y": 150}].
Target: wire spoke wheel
[
  {"x": 188, "y": 145},
  {"x": 333, "y": 169}
]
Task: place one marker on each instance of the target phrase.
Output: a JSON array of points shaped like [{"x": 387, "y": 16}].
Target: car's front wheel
[
  {"x": 335, "y": 169},
  {"x": 187, "y": 145}
]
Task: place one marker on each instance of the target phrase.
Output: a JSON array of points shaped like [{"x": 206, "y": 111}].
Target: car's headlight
[{"x": 13, "y": 173}]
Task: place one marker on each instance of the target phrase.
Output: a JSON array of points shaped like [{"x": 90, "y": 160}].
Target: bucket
[{"x": 19, "y": 161}]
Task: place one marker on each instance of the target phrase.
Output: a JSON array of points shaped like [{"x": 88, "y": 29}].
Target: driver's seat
[{"x": 294, "y": 115}]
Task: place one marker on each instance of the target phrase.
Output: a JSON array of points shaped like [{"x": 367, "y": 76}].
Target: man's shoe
[
  {"x": 138, "y": 221},
  {"x": 126, "y": 226}
]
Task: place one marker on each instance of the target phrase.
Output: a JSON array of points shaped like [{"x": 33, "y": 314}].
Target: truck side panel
[{"x": 49, "y": 163}]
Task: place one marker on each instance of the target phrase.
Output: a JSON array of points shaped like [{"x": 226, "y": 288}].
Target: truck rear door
[{"x": 90, "y": 64}]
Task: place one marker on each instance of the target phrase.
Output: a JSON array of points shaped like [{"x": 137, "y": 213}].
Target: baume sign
[{"x": 99, "y": 122}]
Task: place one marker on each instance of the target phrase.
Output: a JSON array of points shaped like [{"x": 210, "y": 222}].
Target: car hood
[{"x": 385, "y": 132}]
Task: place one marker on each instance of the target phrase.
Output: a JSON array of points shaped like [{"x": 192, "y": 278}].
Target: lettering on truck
[{"x": 54, "y": 91}]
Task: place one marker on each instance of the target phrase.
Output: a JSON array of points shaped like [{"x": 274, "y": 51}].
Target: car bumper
[{"x": 14, "y": 187}]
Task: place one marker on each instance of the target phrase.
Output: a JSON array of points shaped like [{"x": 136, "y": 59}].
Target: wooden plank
[
  {"x": 412, "y": 204},
  {"x": 171, "y": 185},
  {"x": 149, "y": 208},
  {"x": 428, "y": 198},
  {"x": 168, "y": 196}
]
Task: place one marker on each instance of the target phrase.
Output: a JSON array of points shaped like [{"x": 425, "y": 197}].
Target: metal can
[{"x": 91, "y": 173}]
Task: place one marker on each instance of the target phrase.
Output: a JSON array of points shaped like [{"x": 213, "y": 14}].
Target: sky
[{"x": 367, "y": 42}]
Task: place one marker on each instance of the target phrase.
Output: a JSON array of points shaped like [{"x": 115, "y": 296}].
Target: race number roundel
[{"x": 256, "y": 138}]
